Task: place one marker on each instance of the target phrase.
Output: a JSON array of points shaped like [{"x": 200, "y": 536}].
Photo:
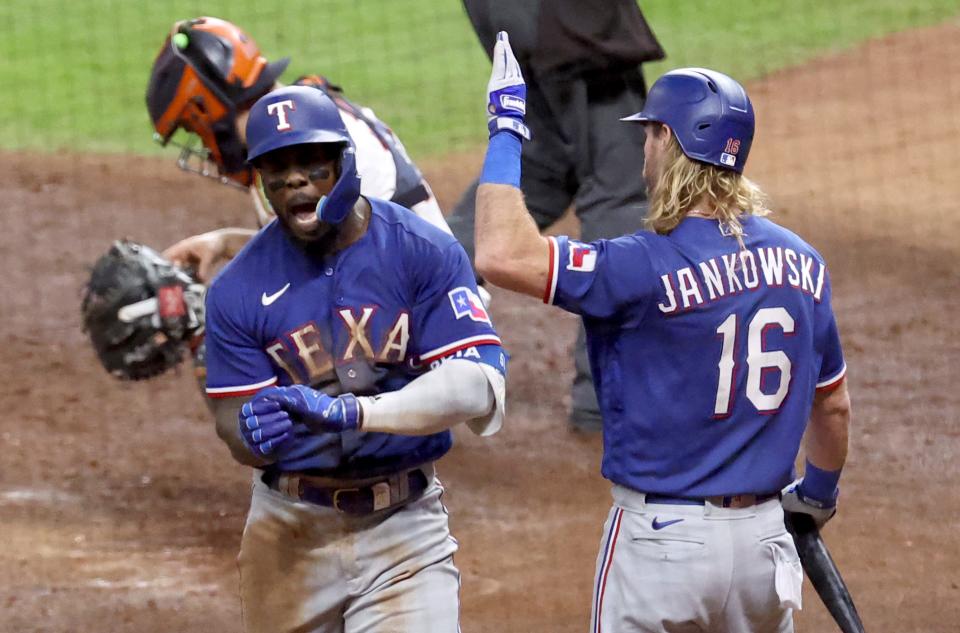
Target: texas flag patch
[
  {"x": 466, "y": 303},
  {"x": 583, "y": 257}
]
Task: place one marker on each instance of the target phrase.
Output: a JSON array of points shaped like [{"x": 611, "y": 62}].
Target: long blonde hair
[{"x": 684, "y": 182}]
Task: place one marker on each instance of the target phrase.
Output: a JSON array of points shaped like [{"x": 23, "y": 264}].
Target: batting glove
[
  {"x": 794, "y": 499},
  {"x": 264, "y": 425},
  {"x": 506, "y": 92},
  {"x": 320, "y": 412}
]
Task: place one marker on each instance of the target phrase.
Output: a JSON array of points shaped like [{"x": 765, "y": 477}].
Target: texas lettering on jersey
[
  {"x": 302, "y": 355},
  {"x": 385, "y": 308}
]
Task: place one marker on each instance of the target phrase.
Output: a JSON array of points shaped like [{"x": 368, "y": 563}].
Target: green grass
[
  {"x": 750, "y": 38},
  {"x": 74, "y": 71}
]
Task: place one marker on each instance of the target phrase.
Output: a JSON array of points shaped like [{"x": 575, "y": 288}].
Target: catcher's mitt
[{"x": 140, "y": 311}]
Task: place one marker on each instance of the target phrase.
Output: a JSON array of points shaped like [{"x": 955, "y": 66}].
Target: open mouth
[{"x": 303, "y": 214}]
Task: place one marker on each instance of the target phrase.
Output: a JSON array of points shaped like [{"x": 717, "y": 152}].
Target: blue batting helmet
[
  {"x": 710, "y": 115},
  {"x": 296, "y": 115},
  {"x": 292, "y": 116}
]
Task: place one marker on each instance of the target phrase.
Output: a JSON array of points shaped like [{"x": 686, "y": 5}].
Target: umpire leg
[{"x": 612, "y": 199}]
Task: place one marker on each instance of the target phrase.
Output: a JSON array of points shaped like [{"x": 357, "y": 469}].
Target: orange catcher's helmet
[{"x": 206, "y": 72}]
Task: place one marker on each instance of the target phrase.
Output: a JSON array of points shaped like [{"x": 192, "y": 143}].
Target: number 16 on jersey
[{"x": 758, "y": 360}]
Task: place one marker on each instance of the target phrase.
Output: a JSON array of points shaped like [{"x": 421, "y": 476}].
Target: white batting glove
[
  {"x": 506, "y": 92},
  {"x": 793, "y": 500}
]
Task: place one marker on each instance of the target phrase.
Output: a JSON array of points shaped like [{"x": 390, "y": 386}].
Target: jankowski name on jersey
[{"x": 737, "y": 272}]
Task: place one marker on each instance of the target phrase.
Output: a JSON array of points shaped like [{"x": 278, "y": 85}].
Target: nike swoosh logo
[
  {"x": 659, "y": 525},
  {"x": 268, "y": 299}
]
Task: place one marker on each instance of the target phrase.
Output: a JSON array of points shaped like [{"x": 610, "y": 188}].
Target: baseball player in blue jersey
[
  {"x": 714, "y": 348},
  {"x": 343, "y": 342}
]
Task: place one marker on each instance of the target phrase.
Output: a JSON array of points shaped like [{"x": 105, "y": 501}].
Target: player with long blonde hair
[
  {"x": 714, "y": 351},
  {"x": 685, "y": 186}
]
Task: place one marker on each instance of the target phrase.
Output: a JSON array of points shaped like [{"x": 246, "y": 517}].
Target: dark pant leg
[
  {"x": 611, "y": 200},
  {"x": 555, "y": 165}
]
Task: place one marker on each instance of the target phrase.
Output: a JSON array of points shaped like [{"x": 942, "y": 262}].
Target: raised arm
[{"x": 510, "y": 252}]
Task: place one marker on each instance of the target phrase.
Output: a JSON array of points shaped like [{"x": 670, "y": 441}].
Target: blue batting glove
[
  {"x": 506, "y": 92},
  {"x": 264, "y": 425},
  {"x": 320, "y": 412}
]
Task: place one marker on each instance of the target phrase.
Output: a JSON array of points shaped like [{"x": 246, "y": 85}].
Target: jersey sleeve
[
  {"x": 601, "y": 279},
  {"x": 236, "y": 364},
  {"x": 448, "y": 315},
  {"x": 833, "y": 368}
]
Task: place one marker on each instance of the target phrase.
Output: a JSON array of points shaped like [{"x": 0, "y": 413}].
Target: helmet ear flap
[{"x": 334, "y": 208}]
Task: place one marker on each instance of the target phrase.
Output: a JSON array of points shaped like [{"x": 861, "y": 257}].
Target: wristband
[
  {"x": 502, "y": 163},
  {"x": 819, "y": 484}
]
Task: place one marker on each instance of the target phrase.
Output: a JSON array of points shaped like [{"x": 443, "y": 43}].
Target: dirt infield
[{"x": 121, "y": 511}]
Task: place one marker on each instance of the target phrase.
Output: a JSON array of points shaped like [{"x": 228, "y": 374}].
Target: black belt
[
  {"x": 366, "y": 497},
  {"x": 729, "y": 501}
]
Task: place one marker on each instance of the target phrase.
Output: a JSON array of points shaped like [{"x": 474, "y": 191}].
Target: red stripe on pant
[{"x": 605, "y": 567}]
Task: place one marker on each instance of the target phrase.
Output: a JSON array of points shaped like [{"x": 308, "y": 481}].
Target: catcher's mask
[
  {"x": 206, "y": 71},
  {"x": 141, "y": 311},
  {"x": 710, "y": 115},
  {"x": 298, "y": 115}
]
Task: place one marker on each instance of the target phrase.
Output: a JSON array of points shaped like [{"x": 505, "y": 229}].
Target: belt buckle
[
  {"x": 740, "y": 501},
  {"x": 381, "y": 497},
  {"x": 290, "y": 485},
  {"x": 336, "y": 497}
]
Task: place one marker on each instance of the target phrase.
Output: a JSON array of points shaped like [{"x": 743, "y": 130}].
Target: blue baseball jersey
[
  {"x": 705, "y": 356},
  {"x": 367, "y": 320}
]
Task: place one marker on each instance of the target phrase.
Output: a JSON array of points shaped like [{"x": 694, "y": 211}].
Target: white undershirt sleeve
[
  {"x": 378, "y": 172},
  {"x": 430, "y": 211},
  {"x": 457, "y": 391}
]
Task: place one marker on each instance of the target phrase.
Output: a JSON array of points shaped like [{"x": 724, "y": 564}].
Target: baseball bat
[{"x": 823, "y": 572}]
